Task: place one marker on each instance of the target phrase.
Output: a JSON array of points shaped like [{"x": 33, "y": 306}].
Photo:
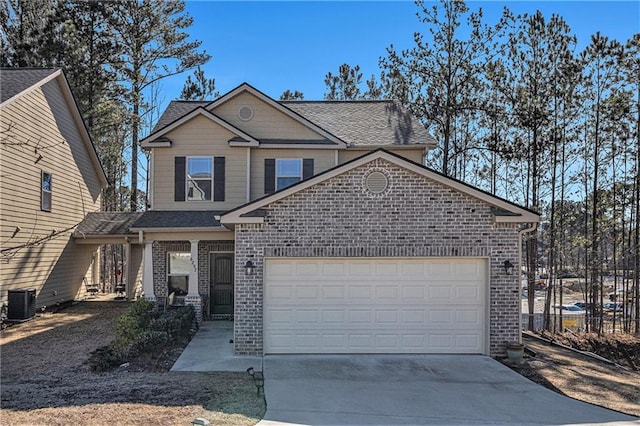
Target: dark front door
[{"x": 221, "y": 285}]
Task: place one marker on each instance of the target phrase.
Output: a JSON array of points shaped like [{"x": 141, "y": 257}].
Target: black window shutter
[
  {"x": 179, "y": 178},
  {"x": 218, "y": 179},
  {"x": 307, "y": 168},
  {"x": 269, "y": 175}
]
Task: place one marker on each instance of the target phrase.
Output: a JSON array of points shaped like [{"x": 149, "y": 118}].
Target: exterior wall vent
[
  {"x": 245, "y": 113},
  {"x": 377, "y": 182}
]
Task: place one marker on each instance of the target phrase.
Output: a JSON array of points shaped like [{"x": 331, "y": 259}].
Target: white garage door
[{"x": 375, "y": 305}]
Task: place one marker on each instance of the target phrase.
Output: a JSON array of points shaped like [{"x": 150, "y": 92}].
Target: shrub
[
  {"x": 146, "y": 333},
  {"x": 104, "y": 359}
]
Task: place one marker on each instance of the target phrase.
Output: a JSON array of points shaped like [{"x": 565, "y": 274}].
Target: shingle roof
[
  {"x": 363, "y": 123},
  {"x": 15, "y": 80},
  {"x": 178, "y": 219},
  {"x": 106, "y": 223},
  {"x": 357, "y": 123},
  {"x": 175, "y": 110}
]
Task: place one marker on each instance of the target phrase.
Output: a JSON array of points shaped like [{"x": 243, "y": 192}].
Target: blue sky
[{"x": 276, "y": 46}]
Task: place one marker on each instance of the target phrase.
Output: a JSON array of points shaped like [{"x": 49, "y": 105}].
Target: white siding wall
[{"x": 54, "y": 268}]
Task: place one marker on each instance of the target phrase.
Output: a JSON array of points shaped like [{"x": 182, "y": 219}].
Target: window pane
[
  {"x": 179, "y": 285},
  {"x": 179, "y": 263},
  {"x": 199, "y": 190},
  {"x": 289, "y": 167},
  {"x": 45, "y": 192},
  {"x": 46, "y": 201},
  {"x": 46, "y": 181},
  {"x": 199, "y": 168},
  {"x": 283, "y": 182}
]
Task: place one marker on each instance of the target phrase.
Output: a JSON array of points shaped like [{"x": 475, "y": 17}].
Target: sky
[{"x": 275, "y": 46}]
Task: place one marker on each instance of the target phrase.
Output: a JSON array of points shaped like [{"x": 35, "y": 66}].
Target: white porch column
[
  {"x": 193, "y": 296},
  {"x": 147, "y": 274}
]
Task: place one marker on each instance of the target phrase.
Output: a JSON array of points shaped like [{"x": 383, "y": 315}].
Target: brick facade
[
  {"x": 413, "y": 216},
  {"x": 160, "y": 250}
]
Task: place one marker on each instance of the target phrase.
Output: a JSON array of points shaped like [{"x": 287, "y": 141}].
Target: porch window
[
  {"x": 178, "y": 268},
  {"x": 199, "y": 178},
  {"x": 288, "y": 172},
  {"x": 45, "y": 191}
]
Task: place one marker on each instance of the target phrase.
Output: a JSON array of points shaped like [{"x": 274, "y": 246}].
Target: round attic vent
[
  {"x": 377, "y": 182},
  {"x": 245, "y": 113}
]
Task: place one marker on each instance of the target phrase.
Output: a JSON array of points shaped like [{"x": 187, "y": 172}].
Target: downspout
[{"x": 520, "y": 235}]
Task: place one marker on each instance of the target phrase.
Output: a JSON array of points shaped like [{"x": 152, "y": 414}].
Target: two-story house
[
  {"x": 50, "y": 178},
  {"x": 317, "y": 228}
]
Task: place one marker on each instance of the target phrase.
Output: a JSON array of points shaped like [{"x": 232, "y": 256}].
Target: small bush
[
  {"x": 104, "y": 359},
  {"x": 146, "y": 333}
]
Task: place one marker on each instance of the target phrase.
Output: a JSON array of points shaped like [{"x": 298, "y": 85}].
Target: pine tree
[
  {"x": 345, "y": 85},
  {"x": 153, "y": 46},
  {"x": 437, "y": 78},
  {"x": 199, "y": 89},
  {"x": 288, "y": 95}
]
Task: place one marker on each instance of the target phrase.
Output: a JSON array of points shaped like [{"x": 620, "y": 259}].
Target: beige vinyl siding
[
  {"x": 415, "y": 155},
  {"x": 199, "y": 137},
  {"x": 322, "y": 160},
  {"x": 267, "y": 122},
  {"x": 55, "y": 268}
]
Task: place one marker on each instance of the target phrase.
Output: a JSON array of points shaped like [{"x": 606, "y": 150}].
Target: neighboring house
[
  {"x": 50, "y": 178},
  {"x": 316, "y": 227}
]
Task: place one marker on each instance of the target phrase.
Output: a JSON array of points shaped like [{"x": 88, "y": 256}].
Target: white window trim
[
  {"x": 187, "y": 178},
  {"x": 288, "y": 176},
  {"x": 182, "y": 274}
]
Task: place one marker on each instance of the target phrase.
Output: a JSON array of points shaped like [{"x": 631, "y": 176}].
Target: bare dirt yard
[
  {"x": 585, "y": 378},
  {"x": 45, "y": 378}
]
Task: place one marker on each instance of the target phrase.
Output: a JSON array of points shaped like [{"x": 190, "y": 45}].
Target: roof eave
[
  {"x": 148, "y": 141},
  {"x": 180, "y": 229}
]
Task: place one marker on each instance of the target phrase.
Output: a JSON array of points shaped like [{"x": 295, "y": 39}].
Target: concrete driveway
[{"x": 414, "y": 389}]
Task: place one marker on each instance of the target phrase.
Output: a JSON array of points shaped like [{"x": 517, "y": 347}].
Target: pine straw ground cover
[
  {"x": 46, "y": 380},
  {"x": 583, "y": 378}
]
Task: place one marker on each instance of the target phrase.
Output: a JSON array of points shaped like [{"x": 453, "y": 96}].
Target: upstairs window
[
  {"x": 199, "y": 178},
  {"x": 288, "y": 172},
  {"x": 281, "y": 173},
  {"x": 45, "y": 191}
]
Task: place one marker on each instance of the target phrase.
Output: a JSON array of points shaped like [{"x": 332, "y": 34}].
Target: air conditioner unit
[{"x": 22, "y": 304}]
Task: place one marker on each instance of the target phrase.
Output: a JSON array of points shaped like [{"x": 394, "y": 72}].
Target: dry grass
[
  {"x": 45, "y": 379},
  {"x": 581, "y": 377}
]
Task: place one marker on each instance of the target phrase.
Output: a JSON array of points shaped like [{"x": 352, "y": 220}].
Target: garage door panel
[
  {"x": 307, "y": 292},
  {"x": 279, "y": 317},
  {"x": 387, "y": 316},
  {"x": 412, "y": 305},
  {"x": 360, "y": 292},
  {"x": 334, "y": 292},
  {"x": 414, "y": 292}
]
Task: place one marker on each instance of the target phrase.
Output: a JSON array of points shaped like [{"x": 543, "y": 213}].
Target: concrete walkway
[
  {"x": 211, "y": 350},
  {"x": 415, "y": 389}
]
